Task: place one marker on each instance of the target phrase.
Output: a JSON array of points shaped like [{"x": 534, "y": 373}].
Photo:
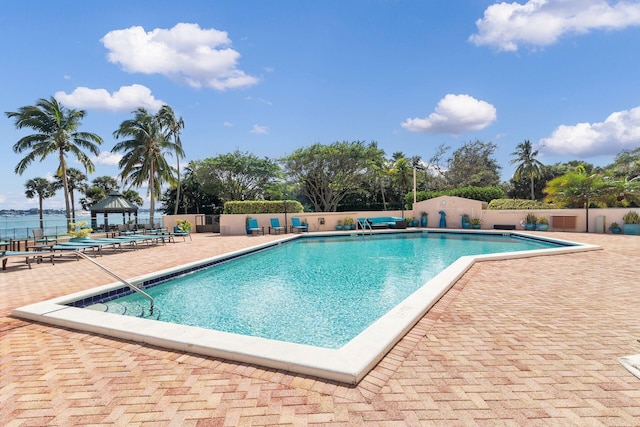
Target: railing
[
  {"x": 112, "y": 274},
  {"x": 363, "y": 225}
]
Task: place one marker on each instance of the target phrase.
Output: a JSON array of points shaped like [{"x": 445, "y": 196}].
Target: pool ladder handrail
[
  {"x": 112, "y": 274},
  {"x": 363, "y": 225}
]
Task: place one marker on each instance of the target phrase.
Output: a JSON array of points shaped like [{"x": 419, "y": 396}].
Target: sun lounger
[
  {"x": 5, "y": 255},
  {"x": 181, "y": 233}
]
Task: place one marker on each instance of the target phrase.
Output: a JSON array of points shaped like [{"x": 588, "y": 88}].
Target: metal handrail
[
  {"x": 112, "y": 274},
  {"x": 364, "y": 226}
]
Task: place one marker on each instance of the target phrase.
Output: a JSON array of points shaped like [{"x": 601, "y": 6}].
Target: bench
[
  {"x": 383, "y": 222},
  {"x": 504, "y": 227}
]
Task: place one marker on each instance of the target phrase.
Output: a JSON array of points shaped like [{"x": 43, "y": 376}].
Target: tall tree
[
  {"x": 144, "y": 149},
  {"x": 100, "y": 188},
  {"x": 527, "y": 164},
  {"x": 235, "y": 176},
  {"x": 76, "y": 180},
  {"x": 173, "y": 126},
  {"x": 473, "y": 164},
  {"x": 133, "y": 196},
  {"x": 43, "y": 189},
  {"x": 56, "y": 133},
  {"x": 326, "y": 174}
]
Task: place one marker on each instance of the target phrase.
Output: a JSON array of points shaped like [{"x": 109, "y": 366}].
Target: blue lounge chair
[
  {"x": 253, "y": 227},
  {"x": 275, "y": 226},
  {"x": 5, "y": 255},
  {"x": 296, "y": 224},
  {"x": 177, "y": 231}
]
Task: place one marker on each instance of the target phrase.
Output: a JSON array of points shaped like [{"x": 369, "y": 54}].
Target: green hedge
[
  {"x": 484, "y": 194},
  {"x": 249, "y": 207},
  {"x": 501, "y": 204}
]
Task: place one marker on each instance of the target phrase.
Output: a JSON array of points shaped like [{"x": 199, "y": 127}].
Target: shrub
[
  {"x": 80, "y": 229},
  {"x": 517, "y": 204},
  {"x": 631, "y": 217},
  {"x": 484, "y": 194},
  {"x": 531, "y": 218},
  {"x": 184, "y": 225},
  {"x": 543, "y": 220},
  {"x": 248, "y": 207}
]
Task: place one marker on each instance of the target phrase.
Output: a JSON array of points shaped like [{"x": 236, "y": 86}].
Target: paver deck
[{"x": 521, "y": 342}]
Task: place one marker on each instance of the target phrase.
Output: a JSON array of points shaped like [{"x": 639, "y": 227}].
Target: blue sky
[{"x": 269, "y": 77}]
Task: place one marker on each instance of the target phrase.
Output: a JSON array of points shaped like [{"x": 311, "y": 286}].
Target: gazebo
[{"x": 114, "y": 203}]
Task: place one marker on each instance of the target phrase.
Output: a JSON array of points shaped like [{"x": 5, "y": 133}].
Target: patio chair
[
  {"x": 296, "y": 224},
  {"x": 275, "y": 226},
  {"x": 177, "y": 231},
  {"x": 253, "y": 227},
  {"x": 39, "y": 238}
]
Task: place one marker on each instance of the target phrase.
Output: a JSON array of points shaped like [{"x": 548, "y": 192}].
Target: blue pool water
[{"x": 317, "y": 291}]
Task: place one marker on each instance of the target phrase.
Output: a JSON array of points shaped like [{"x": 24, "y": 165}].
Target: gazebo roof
[{"x": 114, "y": 203}]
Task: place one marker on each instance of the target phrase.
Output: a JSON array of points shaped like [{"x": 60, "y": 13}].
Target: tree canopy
[
  {"x": 326, "y": 174},
  {"x": 57, "y": 133},
  {"x": 236, "y": 176}
]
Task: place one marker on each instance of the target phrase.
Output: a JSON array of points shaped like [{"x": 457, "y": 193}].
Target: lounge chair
[
  {"x": 178, "y": 232},
  {"x": 5, "y": 255},
  {"x": 296, "y": 224},
  {"x": 39, "y": 238},
  {"x": 275, "y": 226},
  {"x": 252, "y": 226}
]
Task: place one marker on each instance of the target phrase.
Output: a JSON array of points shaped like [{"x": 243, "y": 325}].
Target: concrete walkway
[{"x": 522, "y": 342}]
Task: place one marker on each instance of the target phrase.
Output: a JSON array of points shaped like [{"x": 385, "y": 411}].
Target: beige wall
[
  {"x": 453, "y": 206},
  {"x": 235, "y": 224},
  {"x": 170, "y": 221},
  {"x": 456, "y": 206}
]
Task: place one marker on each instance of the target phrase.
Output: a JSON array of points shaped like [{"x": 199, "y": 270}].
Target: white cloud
[
  {"x": 127, "y": 98},
  {"x": 506, "y": 26},
  {"x": 260, "y": 130},
  {"x": 621, "y": 130},
  {"x": 228, "y": 124},
  {"x": 454, "y": 114},
  {"x": 198, "y": 57},
  {"x": 108, "y": 158}
]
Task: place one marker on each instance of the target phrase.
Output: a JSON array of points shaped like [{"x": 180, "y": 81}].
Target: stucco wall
[{"x": 454, "y": 207}]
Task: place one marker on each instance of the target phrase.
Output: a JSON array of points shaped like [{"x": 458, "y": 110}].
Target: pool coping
[{"x": 348, "y": 364}]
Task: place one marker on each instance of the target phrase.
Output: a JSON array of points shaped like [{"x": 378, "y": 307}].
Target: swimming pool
[
  {"x": 316, "y": 291},
  {"x": 347, "y": 360}
]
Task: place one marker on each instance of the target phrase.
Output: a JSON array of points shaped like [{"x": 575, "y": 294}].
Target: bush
[
  {"x": 543, "y": 220},
  {"x": 248, "y": 207},
  {"x": 531, "y": 218},
  {"x": 484, "y": 194},
  {"x": 517, "y": 204},
  {"x": 80, "y": 229},
  {"x": 631, "y": 217}
]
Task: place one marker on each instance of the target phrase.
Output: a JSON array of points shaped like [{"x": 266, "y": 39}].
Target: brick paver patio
[{"x": 522, "y": 342}]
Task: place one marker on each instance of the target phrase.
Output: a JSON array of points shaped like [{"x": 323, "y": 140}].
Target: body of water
[{"x": 22, "y": 226}]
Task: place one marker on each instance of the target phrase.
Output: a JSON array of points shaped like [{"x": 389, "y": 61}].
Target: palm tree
[
  {"x": 56, "y": 133},
  {"x": 172, "y": 126},
  {"x": 528, "y": 165},
  {"x": 43, "y": 189},
  {"x": 76, "y": 180},
  {"x": 144, "y": 154},
  {"x": 578, "y": 189},
  {"x": 402, "y": 175}
]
